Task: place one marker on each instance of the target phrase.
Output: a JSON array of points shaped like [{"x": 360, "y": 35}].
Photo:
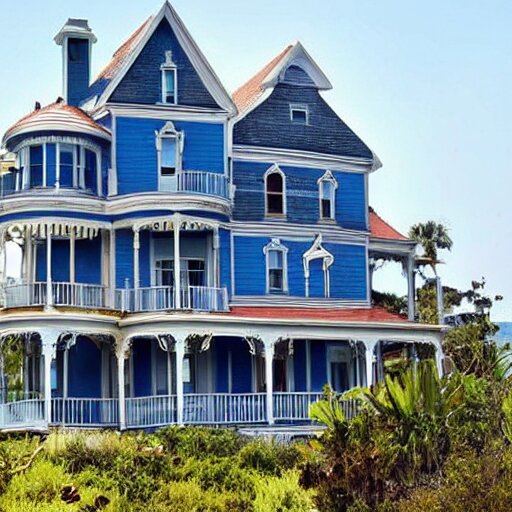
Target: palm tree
[{"x": 432, "y": 236}]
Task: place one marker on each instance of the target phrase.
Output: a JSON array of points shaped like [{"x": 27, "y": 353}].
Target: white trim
[
  {"x": 295, "y": 157},
  {"x": 164, "y": 69},
  {"x": 276, "y": 245},
  {"x": 317, "y": 251},
  {"x": 299, "y": 107},
  {"x": 54, "y": 139},
  {"x": 274, "y": 169},
  {"x": 189, "y": 46},
  {"x": 168, "y": 131},
  {"x": 329, "y": 178}
]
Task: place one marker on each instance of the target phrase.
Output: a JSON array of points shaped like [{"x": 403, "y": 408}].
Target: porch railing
[
  {"x": 63, "y": 294},
  {"x": 23, "y": 413},
  {"x": 85, "y": 412},
  {"x": 200, "y": 182},
  {"x": 161, "y": 298},
  {"x": 294, "y": 406},
  {"x": 224, "y": 408},
  {"x": 150, "y": 411}
]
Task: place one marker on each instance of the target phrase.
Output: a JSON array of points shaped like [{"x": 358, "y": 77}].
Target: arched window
[
  {"x": 276, "y": 256},
  {"x": 327, "y": 190},
  {"x": 169, "y": 144},
  {"x": 275, "y": 192}
]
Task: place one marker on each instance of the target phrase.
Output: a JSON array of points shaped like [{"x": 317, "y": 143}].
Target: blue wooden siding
[
  {"x": 51, "y": 164},
  {"x": 225, "y": 258},
  {"x": 269, "y": 125},
  {"x": 78, "y": 71},
  {"x": 137, "y": 168},
  {"x": 60, "y": 261},
  {"x": 88, "y": 262},
  {"x": 302, "y": 195},
  {"x": 299, "y": 365},
  {"x": 241, "y": 365},
  {"x": 296, "y": 75},
  {"x": 318, "y": 365},
  {"x": 141, "y": 354},
  {"x": 124, "y": 257},
  {"x": 347, "y": 274},
  {"x": 142, "y": 83},
  {"x": 84, "y": 371}
]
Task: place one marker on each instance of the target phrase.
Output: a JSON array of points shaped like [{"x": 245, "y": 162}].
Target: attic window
[
  {"x": 168, "y": 70},
  {"x": 299, "y": 114}
]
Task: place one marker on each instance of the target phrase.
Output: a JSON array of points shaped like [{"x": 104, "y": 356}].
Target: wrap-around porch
[{"x": 158, "y": 380}]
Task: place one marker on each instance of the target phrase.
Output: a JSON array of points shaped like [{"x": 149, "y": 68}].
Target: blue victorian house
[{"x": 191, "y": 257}]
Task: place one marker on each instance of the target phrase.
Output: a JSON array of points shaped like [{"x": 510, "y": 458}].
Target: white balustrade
[
  {"x": 64, "y": 294},
  {"x": 293, "y": 405},
  {"x": 200, "y": 182},
  {"x": 150, "y": 411},
  {"x": 85, "y": 412},
  {"x": 22, "y": 414},
  {"x": 224, "y": 408}
]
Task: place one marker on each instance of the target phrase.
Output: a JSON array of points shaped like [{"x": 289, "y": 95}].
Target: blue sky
[{"x": 428, "y": 86}]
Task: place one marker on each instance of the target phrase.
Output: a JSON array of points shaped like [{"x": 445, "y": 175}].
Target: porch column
[
  {"x": 72, "y": 256},
  {"x": 369, "y": 354},
  {"x": 48, "y": 349},
  {"x": 177, "y": 269},
  {"x": 122, "y": 350},
  {"x": 411, "y": 287},
  {"x": 216, "y": 266},
  {"x": 179, "y": 347},
  {"x": 439, "y": 357},
  {"x": 28, "y": 256},
  {"x": 49, "y": 294},
  {"x": 136, "y": 273},
  {"x": 269, "y": 378},
  {"x": 112, "y": 267}
]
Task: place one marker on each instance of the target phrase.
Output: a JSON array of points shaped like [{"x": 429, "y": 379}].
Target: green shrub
[
  {"x": 282, "y": 494},
  {"x": 269, "y": 457}
]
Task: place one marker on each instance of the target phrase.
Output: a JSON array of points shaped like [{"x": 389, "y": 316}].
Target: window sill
[
  {"x": 275, "y": 216},
  {"x": 331, "y": 222}
]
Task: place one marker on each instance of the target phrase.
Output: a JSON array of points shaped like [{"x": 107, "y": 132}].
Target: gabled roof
[
  {"x": 57, "y": 116},
  {"x": 125, "y": 56},
  {"x": 379, "y": 228},
  {"x": 246, "y": 97}
]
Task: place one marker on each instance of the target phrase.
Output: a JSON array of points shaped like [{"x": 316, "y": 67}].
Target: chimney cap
[{"x": 75, "y": 28}]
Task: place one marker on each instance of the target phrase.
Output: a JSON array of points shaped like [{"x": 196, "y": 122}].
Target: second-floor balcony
[{"x": 91, "y": 296}]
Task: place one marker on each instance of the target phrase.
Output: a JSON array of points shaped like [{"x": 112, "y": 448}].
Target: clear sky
[{"x": 427, "y": 85}]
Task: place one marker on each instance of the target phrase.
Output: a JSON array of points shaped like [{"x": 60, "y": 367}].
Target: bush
[{"x": 269, "y": 457}]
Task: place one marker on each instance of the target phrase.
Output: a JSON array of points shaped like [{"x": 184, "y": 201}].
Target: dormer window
[
  {"x": 275, "y": 192},
  {"x": 277, "y": 266},
  {"x": 327, "y": 189},
  {"x": 299, "y": 114},
  {"x": 169, "y": 83}
]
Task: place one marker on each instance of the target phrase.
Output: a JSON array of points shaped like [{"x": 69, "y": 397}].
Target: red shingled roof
[
  {"x": 248, "y": 94},
  {"x": 57, "y": 115},
  {"x": 379, "y": 228},
  {"x": 122, "y": 54},
  {"x": 374, "y": 314}
]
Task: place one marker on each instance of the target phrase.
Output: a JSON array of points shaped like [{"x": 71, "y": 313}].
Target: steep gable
[
  {"x": 265, "y": 101},
  {"x": 134, "y": 74}
]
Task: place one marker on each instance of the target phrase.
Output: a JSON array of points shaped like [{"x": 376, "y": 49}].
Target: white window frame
[
  {"x": 169, "y": 131},
  {"x": 299, "y": 107},
  {"x": 328, "y": 177},
  {"x": 275, "y": 169},
  {"x": 169, "y": 66},
  {"x": 276, "y": 245}
]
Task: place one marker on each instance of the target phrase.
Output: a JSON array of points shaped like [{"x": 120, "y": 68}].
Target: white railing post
[
  {"x": 112, "y": 267},
  {"x": 269, "y": 380},
  {"x": 49, "y": 339},
  {"x": 122, "y": 351},
  {"x": 49, "y": 291},
  {"x": 136, "y": 279},
  {"x": 179, "y": 347},
  {"x": 411, "y": 288},
  {"x": 369, "y": 355},
  {"x": 177, "y": 266}
]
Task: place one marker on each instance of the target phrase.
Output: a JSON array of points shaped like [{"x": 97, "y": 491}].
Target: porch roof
[
  {"x": 365, "y": 315},
  {"x": 379, "y": 228}
]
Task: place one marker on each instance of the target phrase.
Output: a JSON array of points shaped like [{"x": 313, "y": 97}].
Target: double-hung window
[
  {"x": 277, "y": 269},
  {"x": 275, "y": 193},
  {"x": 67, "y": 165},
  {"x": 169, "y": 147},
  {"x": 169, "y": 80},
  {"x": 36, "y": 166},
  {"x": 327, "y": 190}
]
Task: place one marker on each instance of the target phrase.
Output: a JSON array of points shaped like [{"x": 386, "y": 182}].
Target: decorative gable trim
[
  {"x": 298, "y": 56},
  {"x": 196, "y": 57},
  {"x": 315, "y": 252},
  {"x": 328, "y": 176}
]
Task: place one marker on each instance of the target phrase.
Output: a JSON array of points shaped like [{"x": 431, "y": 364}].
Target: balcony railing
[
  {"x": 63, "y": 294},
  {"x": 200, "y": 182},
  {"x": 150, "y": 411},
  {"x": 90, "y": 412},
  {"x": 161, "y": 298}
]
